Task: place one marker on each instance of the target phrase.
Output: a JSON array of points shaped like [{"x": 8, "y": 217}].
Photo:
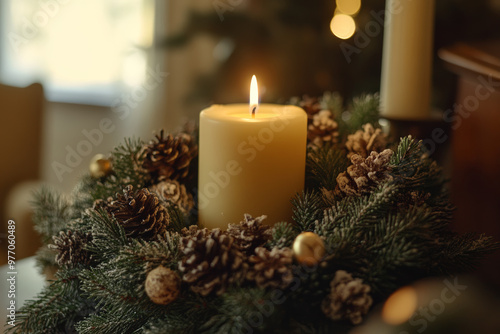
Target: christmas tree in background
[{"x": 130, "y": 257}]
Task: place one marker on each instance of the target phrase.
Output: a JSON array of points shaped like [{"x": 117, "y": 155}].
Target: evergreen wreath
[{"x": 130, "y": 258}]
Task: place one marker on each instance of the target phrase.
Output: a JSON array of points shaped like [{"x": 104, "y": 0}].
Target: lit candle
[
  {"x": 405, "y": 90},
  {"x": 252, "y": 160}
]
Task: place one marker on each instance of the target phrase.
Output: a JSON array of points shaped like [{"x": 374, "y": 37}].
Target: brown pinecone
[
  {"x": 321, "y": 126},
  {"x": 363, "y": 142},
  {"x": 139, "y": 212},
  {"x": 172, "y": 192},
  {"x": 349, "y": 298},
  {"x": 169, "y": 157},
  {"x": 70, "y": 248},
  {"x": 211, "y": 262},
  {"x": 363, "y": 174},
  {"x": 322, "y": 129},
  {"x": 271, "y": 268},
  {"x": 250, "y": 233}
]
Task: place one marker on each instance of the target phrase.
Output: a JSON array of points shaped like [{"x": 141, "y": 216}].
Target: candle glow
[{"x": 254, "y": 96}]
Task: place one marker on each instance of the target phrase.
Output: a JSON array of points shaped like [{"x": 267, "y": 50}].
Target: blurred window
[{"x": 82, "y": 51}]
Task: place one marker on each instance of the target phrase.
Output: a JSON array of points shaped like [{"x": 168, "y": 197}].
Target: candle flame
[{"x": 254, "y": 96}]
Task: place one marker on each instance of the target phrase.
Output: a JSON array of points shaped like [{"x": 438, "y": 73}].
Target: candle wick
[{"x": 253, "y": 111}]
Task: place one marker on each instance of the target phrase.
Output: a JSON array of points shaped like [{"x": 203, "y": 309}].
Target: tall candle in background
[
  {"x": 405, "y": 90},
  {"x": 250, "y": 163}
]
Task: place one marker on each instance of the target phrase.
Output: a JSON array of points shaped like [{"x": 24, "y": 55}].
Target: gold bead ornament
[
  {"x": 162, "y": 285},
  {"x": 308, "y": 248},
  {"x": 100, "y": 166}
]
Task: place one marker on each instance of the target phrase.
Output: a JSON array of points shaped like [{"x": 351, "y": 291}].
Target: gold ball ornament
[
  {"x": 100, "y": 166},
  {"x": 308, "y": 248},
  {"x": 162, "y": 285}
]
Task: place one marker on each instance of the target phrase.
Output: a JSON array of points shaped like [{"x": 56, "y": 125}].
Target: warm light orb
[
  {"x": 349, "y": 7},
  {"x": 254, "y": 96},
  {"x": 343, "y": 26},
  {"x": 400, "y": 306}
]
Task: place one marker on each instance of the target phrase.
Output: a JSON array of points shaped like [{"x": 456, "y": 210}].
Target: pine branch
[
  {"x": 45, "y": 257},
  {"x": 127, "y": 162},
  {"x": 82, "y": 195},
  {"x": 56, "y": 309},
  {"x": 120, "y": 319},
  {"x": 52, "y": 212},
  {"x": 412, "y": 169},
  {"x": 237, "y": 308},
  {"x": 108, "y": 235},
  {"x": 127, "y": 159},
  {"x": 283, "y": 235},
  {"x": 118, "y": 285},
  {"x": 307, "y": 208},
  {"x": 364, "y": 109},
  {"x": 406, "y": 148},
  {"x": 461, "y": 253},
  {"x": 342, "y": 224},
  {"x": 197, "y": 310},
  {"x": 121, "y": 279},
  {"x": 323, "y": 165},
  {"x": 359, "y": 211},
  {"x": 334, "y": 103},
  {"x": 177, "y": 219}
]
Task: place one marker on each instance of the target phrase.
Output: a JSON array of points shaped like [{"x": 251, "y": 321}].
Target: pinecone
[
  {"x": 322, "y": 129},
  {"x": 349, "y": 298},
  {"x": 70, "y": 248},
  {"x": 190, "y": 231},
  {"x": 311, "y": 105},
  {"x": 211, "y": 262},
  {"x": 363, "y": 174},
  {"x": 271, "y": 268},
  {"x": 139, "y": 212},
  {"x": 169, "y": 157},
  {"x": 321, "y": 125},
  {"x": 172, "y": 192},
  {"x": 250, "y": 233},
  {"x": 363, "y": 142}
]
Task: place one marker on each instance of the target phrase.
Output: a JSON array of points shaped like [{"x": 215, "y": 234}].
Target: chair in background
[{"x": 21, "y": 122}]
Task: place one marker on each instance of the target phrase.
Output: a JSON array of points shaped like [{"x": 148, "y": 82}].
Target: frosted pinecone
[
  {"x": 322, "y": 129},
  {"x": 349, "y": 299},
  {"x": 250, "y": 233},
  {"x": 70, "y": 247},
  {"x": 271, "y": 269},
  {"x": 172, "y": 192},
  {"x": 364, "y": 174},
  {"x": 363, "y": 142}
]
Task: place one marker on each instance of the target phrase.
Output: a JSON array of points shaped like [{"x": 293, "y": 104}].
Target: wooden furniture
[
  {"x": 21, "y": 117},
  {"x": 475, "y": 124}
]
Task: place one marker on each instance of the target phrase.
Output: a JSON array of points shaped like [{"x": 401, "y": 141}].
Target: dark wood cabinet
[{"x": 475, "y": 131}]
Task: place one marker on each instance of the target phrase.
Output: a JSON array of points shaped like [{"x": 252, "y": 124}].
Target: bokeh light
[
  {"x": 343, "y": 26},
  {"x": 348, "y": 7},
  {"x": 400, "y": 306}
]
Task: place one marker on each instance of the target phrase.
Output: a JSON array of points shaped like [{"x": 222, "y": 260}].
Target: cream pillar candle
[
  {"x": 250, "y": 164},
  {"x": 405, "y": 90}
]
